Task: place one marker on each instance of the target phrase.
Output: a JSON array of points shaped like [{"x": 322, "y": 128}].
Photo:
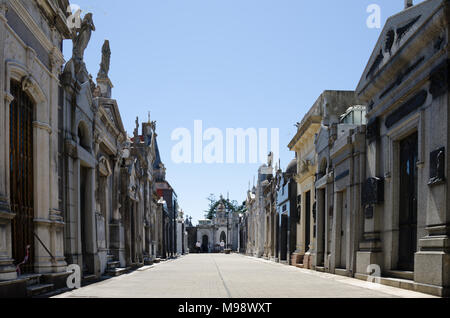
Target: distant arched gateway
[
  {"x": 205, "y": 244},
  {"x": 223, "y": 237}
]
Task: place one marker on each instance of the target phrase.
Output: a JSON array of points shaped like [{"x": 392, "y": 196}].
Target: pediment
[
  {"x": 112, "y": 113},
  {"x": 397, "y": 31},
  {"x": 84, "y": 98}
]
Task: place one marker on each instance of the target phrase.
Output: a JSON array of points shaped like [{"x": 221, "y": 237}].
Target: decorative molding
[
  {"x": 407, "y": 108},
  {"x": 401, "y": 31},
  {"x": 43, "y": 126},
  {"x": 373, "y": 129},
  {"x": 439, "y": 80},
  {"x": 375, "y": 64},
  {"x": 401, "y": 76},
  {"x": 8, "y": 98},
  {"x": 32, "y": 25},
  {"x": 342, "y": 175}
]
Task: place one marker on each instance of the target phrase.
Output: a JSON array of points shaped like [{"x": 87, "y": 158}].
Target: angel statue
[{"x": 80, "y": 42}]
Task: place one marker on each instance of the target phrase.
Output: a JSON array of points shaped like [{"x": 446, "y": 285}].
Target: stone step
[
  {"x": 112, "y": 265},
  {"x": 31, "y": 279},
  {"x": 117, "y": 271},
  {"x": 320, "y": 269},
  {"x": 39, "y": 289},
  {"x": 110, "y": 257},
  {"x": 341, "y": 272},
  {"x": 156, "y": 260},
  {"x": 54, "y": 292},
  {"x": 408, "y": 275},
  {"x": 89, "y": 278},
  {"x": 136, "y": 265},
  {"x": 148, "y": 262}
]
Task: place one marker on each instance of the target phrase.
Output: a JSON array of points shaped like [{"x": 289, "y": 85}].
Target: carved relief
[
  {"x": 375, "y": 64},
  {"x": 390, "y": 35},
  {"x": 401, "y": 31},
  {"x": 437, "y": 166},
  {"x": 372, "y": 191}
]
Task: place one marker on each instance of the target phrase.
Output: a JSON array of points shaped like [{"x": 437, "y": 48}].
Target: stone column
[
  {"x": 336, "y": 232},
  {"x": 370, "y": 247},
  {"x": 320, "y": 217},
  {"x": 7, "y": 269},
  {"x": 43, "y": 261},
  {"x": 90, "y": 224}
]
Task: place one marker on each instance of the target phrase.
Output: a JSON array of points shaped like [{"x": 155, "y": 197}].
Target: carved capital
[
  {"x": 43, "y": 126},
  {"x": 71, "y": 148},
  {"x": 8, "y": 98}
]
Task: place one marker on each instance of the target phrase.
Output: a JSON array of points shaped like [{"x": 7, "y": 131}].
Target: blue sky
[{"x": 230, "y": 63}]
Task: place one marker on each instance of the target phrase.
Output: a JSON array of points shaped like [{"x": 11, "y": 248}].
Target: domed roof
[{"x": 292, "y": 167}]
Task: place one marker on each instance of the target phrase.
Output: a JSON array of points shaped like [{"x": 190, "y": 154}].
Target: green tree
[{"x": 231, "y": 206}]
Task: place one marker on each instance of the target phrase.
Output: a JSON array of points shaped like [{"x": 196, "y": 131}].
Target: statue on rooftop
[
  {"x": 106, "y": 59},
  {"x": 81, "y": 40}
]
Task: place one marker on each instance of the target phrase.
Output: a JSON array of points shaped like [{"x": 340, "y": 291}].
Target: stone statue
[
  {"x": 270, "y": 159},
  {"x": 80, "y": 42},
  {"x": 106, "y": 58}
]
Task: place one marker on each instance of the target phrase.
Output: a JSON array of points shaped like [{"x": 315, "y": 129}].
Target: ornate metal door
[
  {"x": 21, "y": 177},
  {"x": 205, "y": 243},
  {"x": 408, "y": 202},
  {"x": 344, "y": 234},
  {"x": 284, "y": 237},
  {"x": 307, "y": 220}
]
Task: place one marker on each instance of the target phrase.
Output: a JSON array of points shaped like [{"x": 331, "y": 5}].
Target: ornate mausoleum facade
[
  {"x": 406, "y": 194},
  {"x": 74, "y": 187},
  {"x": 31, "y": 220},
  {"x": 372, "y": 165},
  {"x": 224, "y": 226}
]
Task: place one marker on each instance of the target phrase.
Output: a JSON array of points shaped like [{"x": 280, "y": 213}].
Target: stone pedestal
[
  {"x": 432, "y": 264},
  {"x": 365, "y": 259},
  {"x": 7, "y": 268},
  {"x": 105, "y": 86},
  {"x": 297, "y": 258},
  {"x": 117, "y": 239},
  {"x": 308, "y": 260}
]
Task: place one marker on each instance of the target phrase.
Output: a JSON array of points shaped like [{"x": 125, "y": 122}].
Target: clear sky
[{"x": 230, "y": 63}]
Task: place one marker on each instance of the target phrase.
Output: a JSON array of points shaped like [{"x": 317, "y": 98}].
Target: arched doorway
[
  {"x": 205, "y": 243},
  {"x": 223, "y": 237},
  {"x": 21, "y": 116}
]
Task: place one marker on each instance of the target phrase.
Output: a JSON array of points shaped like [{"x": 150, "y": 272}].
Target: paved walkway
[{"x": 233, "y": 276}]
